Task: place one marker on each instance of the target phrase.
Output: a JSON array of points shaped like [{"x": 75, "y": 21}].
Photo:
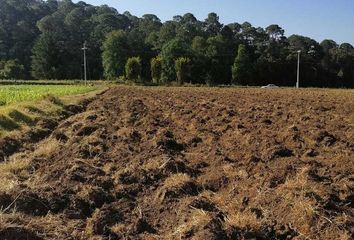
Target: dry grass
[
  {"x": 119, "y": 229},
  {"x": 48, "y": 227},
  {"x": 17, "y": 166},
  {"x": 173, "y": 183},
  {"x": 196, "y": 220},
  {"x": 224, "y": 185},
  {"x": 176, "y": 181},
  {"x": 305, "y": 213},
  {"x": 10, "y": 172},
  {"x": 156, "y": 163},
  {"x": 49, "y": 146},
  {"x": 244, "y": 220}
]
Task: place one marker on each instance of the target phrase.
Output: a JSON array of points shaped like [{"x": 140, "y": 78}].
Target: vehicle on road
[{"x": 270, "y": 86}]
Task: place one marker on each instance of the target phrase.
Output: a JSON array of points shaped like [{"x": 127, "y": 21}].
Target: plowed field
[{"x": 187, "y": 163}]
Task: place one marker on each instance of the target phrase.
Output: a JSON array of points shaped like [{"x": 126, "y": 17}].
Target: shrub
[
  {"x": 133, "y": 69},
  {"x": 182, "y": 67},
  {"x": 156, "y": 70},
  {"x": 11, "y": 70}
]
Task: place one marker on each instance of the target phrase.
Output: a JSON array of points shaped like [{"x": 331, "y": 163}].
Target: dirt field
[{"x": 184, "y": 163}]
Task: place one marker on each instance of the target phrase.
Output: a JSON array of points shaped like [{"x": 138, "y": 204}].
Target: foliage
[
  {"x": 47, "y": 58},
  {"x": 219, "y": 59},
  {"x": 242, "y": 68},
  {"x": 133, "y": 69},
  {"x": 11, "y": 70},
  {"x": 115, "y": 54},
  {"x": 170, "y": 52},
  {"x": 156, "y": 69},
  {"x": 46, "y": 37},
  {"x": 182, "y": 67}
]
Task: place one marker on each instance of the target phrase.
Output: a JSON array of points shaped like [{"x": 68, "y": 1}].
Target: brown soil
[{"x": 190, "y": 163}]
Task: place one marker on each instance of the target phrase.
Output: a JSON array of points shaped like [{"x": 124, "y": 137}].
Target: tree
[
  {"x": 138, "y": 46},
  {"x": 11, "y": 70},
  {"x": 212, "y": 25},
  {"x": 311, "y": 56},
  {"x": 275, "y": 32},
  {"x": 167, "y": 33},
  {"x": 149, "y": 24},
  {"x": 156, "y": 69},
  {"x": 170, "y": 52},
  {"x": 220, "y": 58},
  {"x": 345, "y": 58},
  {"x": 189, "y": 27},
  {"x": 242, "y": 68},
  {"x": 182, "y": 67},
  {"x": 133, "y": 69},
  {"x": 47, "y": 58},
  {"x": 200, "y": 60},
  {"x": 329, "y": 65},
  {"x": 18, "y": 30},
  {"x": 46, "y": 38},
  {"x": 248, "y": 33},
  {"x": 327, "y": 45},
  {"x": 115, "y": 54}
]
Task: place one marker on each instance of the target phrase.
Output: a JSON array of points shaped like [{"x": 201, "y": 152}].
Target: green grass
[
  {"x": 22, "y": 105},
  {"x": 10, "y": 94}
]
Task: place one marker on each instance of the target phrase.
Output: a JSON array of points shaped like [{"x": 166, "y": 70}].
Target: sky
[{"x": 318, "y": 19}]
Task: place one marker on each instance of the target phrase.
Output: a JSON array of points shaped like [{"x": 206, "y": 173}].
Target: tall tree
[
  {"x": 115, "y": 54},
  {"x": 46, "y": 37},
  {"x": 200, "y": 61},
  {"x": 212, "y": 25},
  {"x": 275, "y": 32},
  {"x": 18, "y": 30},
  {"x": 219, "y": 60},
  {"x": 47, "y": 57},
  {"x": 242, "y": 69}
]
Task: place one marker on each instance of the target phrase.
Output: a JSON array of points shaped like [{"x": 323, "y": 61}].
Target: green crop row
[{"x": 22, "y": 93}]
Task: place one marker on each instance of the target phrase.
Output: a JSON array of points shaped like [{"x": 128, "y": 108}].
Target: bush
[
  {"x": 156, "y": 70},
  {"x": 182, "y": 67},
  {"x": 11, "y": 70},
  {"x": 133, "y": 69}
]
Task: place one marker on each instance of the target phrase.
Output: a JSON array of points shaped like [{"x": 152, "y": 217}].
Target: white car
[{"x": 270, "y": 86}]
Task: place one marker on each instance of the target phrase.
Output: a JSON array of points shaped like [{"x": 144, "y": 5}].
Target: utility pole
[
  {"x": 85, "y": 64},
  {"x": 298, "y": 69}
]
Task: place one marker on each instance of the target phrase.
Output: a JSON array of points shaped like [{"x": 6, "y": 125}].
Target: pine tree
[
  {"x": 242, "y": 70},
  {"x": 46, "y": 58}
]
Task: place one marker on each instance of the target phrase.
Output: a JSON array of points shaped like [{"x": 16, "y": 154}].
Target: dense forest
[{"x": 43, "y": 40}]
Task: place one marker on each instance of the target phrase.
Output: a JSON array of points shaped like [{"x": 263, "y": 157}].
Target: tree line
[{"x": 43, "y": 40}]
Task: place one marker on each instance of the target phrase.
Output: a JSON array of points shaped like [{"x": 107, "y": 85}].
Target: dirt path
[{"x": 183, "y": 163}]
